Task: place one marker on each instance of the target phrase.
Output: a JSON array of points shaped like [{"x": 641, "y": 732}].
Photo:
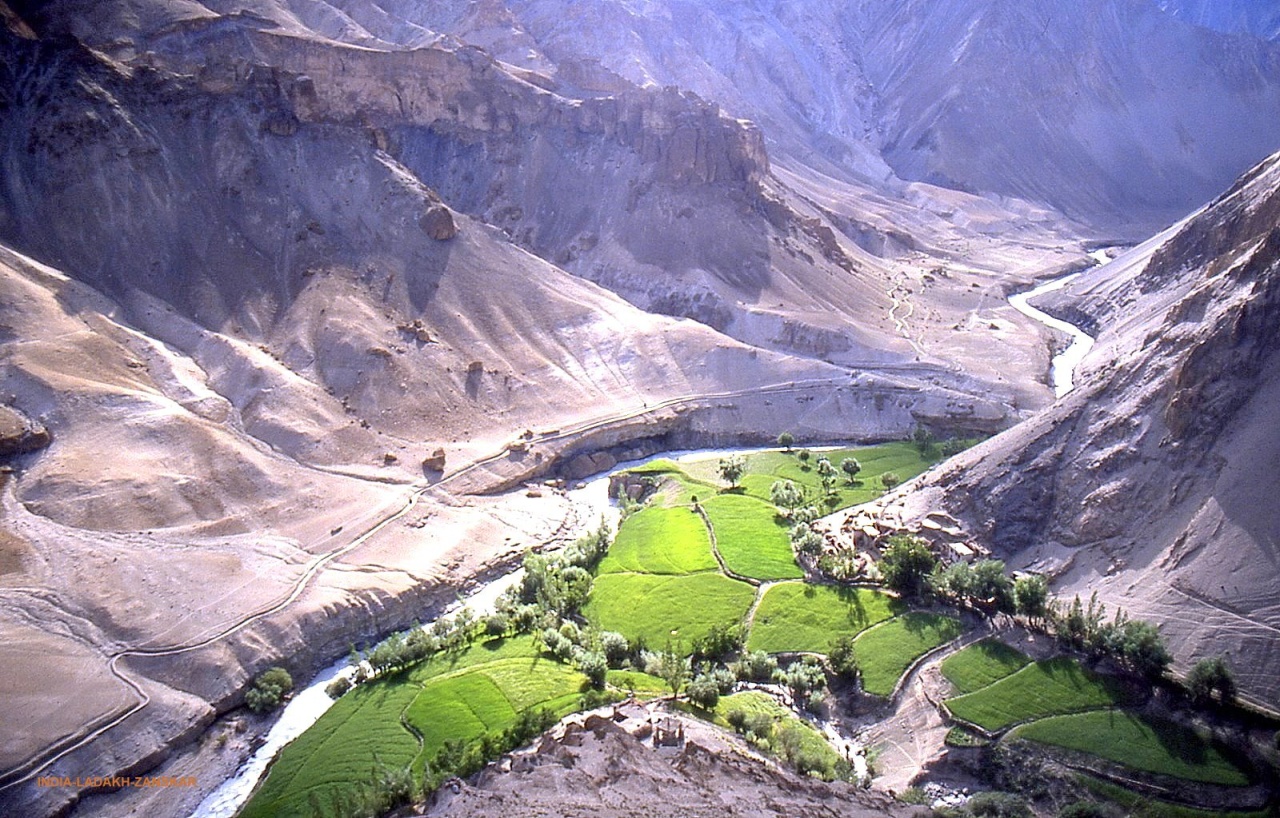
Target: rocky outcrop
[{"x": 20, "y": 434}]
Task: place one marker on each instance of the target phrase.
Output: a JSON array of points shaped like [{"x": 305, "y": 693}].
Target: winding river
[
  {"x": 311, "y": 702},
  {"x": 1062, "y": 369}
]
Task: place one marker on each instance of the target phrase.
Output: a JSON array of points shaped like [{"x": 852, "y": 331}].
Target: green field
[
  {"x": 981, "y": 664},
  {"x": 752, "y": 541},
  {"x": 661, "y": 608},
  {"x": 660, "y": 540},
  {"x": 763, "y": 468},
  {"x": 480, "y": 689},
  {"x": 1139, "y": 743},
  {"x": 887, "y": 650},
  {"x": 1048, "y": 688},
  {"x": 794, "y": 616},
  {"x": 634, "y": 681},
  {"x": 487, "y": 698}
]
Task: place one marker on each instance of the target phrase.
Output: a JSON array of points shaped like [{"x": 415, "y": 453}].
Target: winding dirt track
[{"x": 59, "y": 749}]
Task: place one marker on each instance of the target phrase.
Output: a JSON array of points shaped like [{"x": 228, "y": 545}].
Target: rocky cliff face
[{"x": 1146, "y": 483}]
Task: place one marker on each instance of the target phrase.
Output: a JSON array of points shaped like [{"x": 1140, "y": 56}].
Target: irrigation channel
[{"x": 311, "y": 702}]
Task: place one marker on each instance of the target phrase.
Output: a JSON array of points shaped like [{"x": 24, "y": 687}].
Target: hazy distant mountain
[
  {"x": 1108, "y": 109},
  {"x": 1257, "y": 17}
]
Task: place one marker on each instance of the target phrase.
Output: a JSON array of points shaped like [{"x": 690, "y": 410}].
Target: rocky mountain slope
[
  {"x": 1232, "y": 16},
  {"x": 597, "y": 767},
  {"x": 1151, "y": 483}
]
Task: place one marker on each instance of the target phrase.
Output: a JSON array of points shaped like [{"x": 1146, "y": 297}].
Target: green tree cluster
[{"x": 268, "y": 690}]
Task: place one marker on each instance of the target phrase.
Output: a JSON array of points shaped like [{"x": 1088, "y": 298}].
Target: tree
[
  {"x": 720, "y": 641},
  {"x": 889, "y": 480},
  {"x": 827, "y": 475},
  {"x": 1031, "y": 596},
  {"x": 807, "y": 541},
  {"x": 732, "y": 469},
  {"x": 615, "y": 648},
  {"x": 907, "y": 564},
  {"x": 843, "y": 658},
  {"x": 595, "y": 667},
  {"x": 704, "y": 691},
  {"x": 804, "y": 455},
  {"x": 850, "y": 466},
  {"x": 923, "y": 439},
  {"x": 786, "y": 440},
  {"x": 991, "y": 588},
  {"x": 675, "y": 668},
  {"x": 1210, "y": 676},
  {"x": 787, "y": 496},
  {"x": 1142, "y": 649},
  {"x": 804, "y": 679}
]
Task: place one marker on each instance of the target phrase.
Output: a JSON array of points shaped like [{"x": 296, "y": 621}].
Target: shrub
[
  {"x": 843, "y": 658},
  {"x": 756, "y": 666},
  {"x": 497, "y": 624},
  {"x": 1090, "y": 809},
  {"x": 338, "y": 687},
  {"x": 889, "y": 480}
]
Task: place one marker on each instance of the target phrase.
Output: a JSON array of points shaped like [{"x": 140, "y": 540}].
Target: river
[{"x": 1062, "y": 369}]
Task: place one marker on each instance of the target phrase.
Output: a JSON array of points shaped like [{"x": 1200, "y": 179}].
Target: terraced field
[
  {"x": 887, "y": 650},
  {"x": 752, "y": 540},
  {"x": 660, "y": 608},
  {"x": 481, "y": 689},
  {"x": 1140, "y": 743},
  {"x": 764, "y": 468},
  {"x": 1049, "y": 688},
  {"x": 794, "y": 616},
  {"x": 661, "y": 540},
  {"x": 981, "y": 664}
]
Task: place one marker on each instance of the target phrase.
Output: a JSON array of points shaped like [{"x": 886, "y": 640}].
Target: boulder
[
  {"x": 434, "y": 461},
  {"x": 438, "y": 223}
]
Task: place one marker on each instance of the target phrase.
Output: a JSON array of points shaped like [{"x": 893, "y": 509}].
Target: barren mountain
[
  {"x": 1109, "y": 110},
  {"x": 1152, "y": 482}
]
